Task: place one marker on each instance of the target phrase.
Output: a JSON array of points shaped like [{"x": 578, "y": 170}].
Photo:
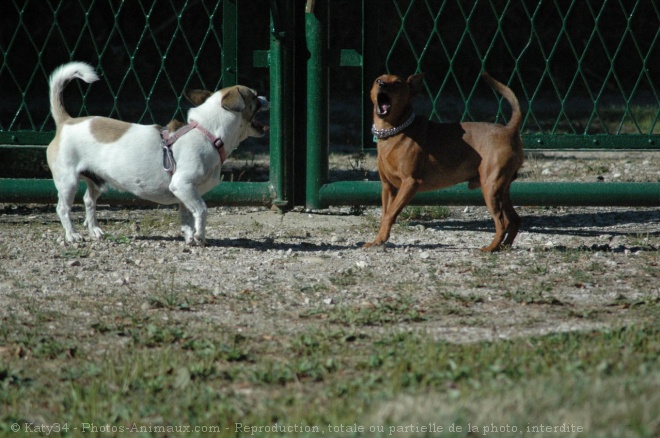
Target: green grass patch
[
  {"x": 163, "y": 374},
  {"x": 384, "y": 313},
  {"x": 424, "y": 213},
  {"x": 119, "y": 239}
]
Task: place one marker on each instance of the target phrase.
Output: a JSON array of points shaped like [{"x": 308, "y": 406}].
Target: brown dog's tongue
[{"x": 383, "y": 109}]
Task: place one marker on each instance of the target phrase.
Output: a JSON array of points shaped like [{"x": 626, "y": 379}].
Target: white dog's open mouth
[
  {"x": 383, "y": 104},
  {"x": 259, "y": 126}
]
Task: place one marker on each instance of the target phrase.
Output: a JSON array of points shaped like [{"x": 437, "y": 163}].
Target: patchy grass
[
  {"x": 424, "y": 213},
  {"x": 388, "y": 312},
  {"x": 172, "y": 374},
  {"x": 144, "y": 333}
]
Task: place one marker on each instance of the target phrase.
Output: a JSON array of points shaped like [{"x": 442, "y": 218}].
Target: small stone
[
  {"x": 336, "y": 239},
  {"x": 313, "y": 260}
]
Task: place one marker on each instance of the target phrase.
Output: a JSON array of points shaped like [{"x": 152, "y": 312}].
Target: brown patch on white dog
[{"x": 107, "y": 130}]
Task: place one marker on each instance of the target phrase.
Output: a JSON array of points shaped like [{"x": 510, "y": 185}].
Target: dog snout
[
  {"x": 264, "y": 105},
  {"x": 381, "y": 84}
]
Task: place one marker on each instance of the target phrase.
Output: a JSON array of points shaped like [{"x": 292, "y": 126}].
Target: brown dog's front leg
[{"x": 393, "y": 208}]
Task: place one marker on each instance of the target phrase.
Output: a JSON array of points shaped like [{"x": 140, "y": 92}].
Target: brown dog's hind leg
[
  {"x": 512, "y": 218},
  {"x": 507, "y": 221},
  {"x": 393, "y": 207},
  {"x": 493, "y": 195}
]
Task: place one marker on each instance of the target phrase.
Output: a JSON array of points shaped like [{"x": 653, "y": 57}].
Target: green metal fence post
[
  {"x": 281, "y": 112},
  {"x": 316, "y": 13},
  {"x": 299, "y": 169}
]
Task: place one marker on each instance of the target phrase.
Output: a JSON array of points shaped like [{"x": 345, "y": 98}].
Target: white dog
[{"x": 143, "y": 159}]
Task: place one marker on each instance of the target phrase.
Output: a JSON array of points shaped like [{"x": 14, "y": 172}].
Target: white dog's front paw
[
  {"x": 187, "y": 235},
  {"x": 200, "y": 239},
  {"x": 96, "y": 233},
  {"x": 196, "y": 241},
  {"x": 74, "y": 237}
]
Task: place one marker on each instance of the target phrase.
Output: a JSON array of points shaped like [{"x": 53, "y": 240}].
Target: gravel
[{"x": 264, "y": 272}]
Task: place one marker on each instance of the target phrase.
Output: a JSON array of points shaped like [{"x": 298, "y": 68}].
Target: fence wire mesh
[
  {"x": 579, "y": 67},
  {"x": 146, "y": 51}
]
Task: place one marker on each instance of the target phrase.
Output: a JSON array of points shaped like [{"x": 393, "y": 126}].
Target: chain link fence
[
  {"x": 582, "y": 67},
  {"x": 146, "y": 52}
]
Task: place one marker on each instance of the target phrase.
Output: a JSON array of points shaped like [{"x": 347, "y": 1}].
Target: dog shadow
[
  {"x": 571, "y": 224},
  {"x": 263, "y": 245},
  {"x": 270, "y": 244}
]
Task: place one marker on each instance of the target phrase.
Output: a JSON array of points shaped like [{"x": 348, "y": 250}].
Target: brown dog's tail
[
  {"x": 516, "y": 115},
  {"x": 58, "y": 80}
]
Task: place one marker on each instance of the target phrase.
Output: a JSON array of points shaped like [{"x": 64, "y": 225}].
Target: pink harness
[{"x": 168, "y": 139}]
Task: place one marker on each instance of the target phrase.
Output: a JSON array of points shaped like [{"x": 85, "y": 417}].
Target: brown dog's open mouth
[{"x": 384, "y": 103}]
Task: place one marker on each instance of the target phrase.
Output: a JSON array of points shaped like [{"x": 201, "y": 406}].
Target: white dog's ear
[
  {"x": 233, "y": 100},
  {"x": 415, "y": 82},
  {"x": 197, "y": 97}
]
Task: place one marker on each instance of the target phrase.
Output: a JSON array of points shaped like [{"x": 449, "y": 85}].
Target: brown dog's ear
[
  {"x": 233, "y": 100},
  {"x": 197, "y": 97},
  {"x": 415, "y": 82}
]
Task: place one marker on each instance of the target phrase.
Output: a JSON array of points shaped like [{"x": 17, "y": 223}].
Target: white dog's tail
[{"x": 58, "y": 81}]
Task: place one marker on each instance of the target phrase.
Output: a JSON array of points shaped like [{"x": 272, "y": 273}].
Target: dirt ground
[
  {"x": 569, "y": 269},
  {"x": 266, "y": 272}
]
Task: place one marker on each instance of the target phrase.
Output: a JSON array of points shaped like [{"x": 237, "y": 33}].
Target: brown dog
[{"x": 417, "y": 155}]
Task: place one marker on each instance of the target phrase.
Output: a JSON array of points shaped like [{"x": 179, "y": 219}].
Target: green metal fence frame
[
  {"x": 299, "y": 61},
  {"x": 321, "y": 194}
]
